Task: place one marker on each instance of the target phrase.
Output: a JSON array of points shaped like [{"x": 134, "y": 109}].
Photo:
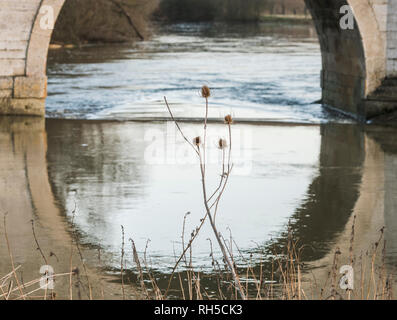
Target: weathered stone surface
[
  {"x": 354, "y": 61},
  {"x": 392, "y": 39},
  {"x": 33, "y": 107},
  {"x": 5, "y": 93},
  {"x": 36, "y": 57},
  {"x": 12, "y": 67},
  {"x": 6, "y": 83},
  {"x": 30, "y": 87},
  {"x": 380, "y": 109}
]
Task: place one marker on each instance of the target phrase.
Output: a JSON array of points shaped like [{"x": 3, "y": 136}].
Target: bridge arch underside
[{"x": 353, "y": 61}]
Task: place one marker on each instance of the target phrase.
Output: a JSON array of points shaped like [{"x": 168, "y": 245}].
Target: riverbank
[
  {"x": 287, "y": 19},
  {"x": 103, "y": 21}
]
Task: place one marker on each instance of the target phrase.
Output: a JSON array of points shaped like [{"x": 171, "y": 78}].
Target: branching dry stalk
[
  {"x": 200, "y": 150},
  {"x": 122, "y": 263},
  {"x": 140, "y": 271},
  {"x": 11, "y": 257}
]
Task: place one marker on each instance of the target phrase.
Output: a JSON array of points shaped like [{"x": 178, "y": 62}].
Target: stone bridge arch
[{"x": 355, "y": 62}]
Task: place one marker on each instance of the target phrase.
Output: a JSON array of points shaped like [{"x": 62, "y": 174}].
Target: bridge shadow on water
[
  {"x": 333, "y": 193},
  {"x": 356, "y": 177}
]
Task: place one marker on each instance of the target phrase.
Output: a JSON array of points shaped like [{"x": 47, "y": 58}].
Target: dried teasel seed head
[
  {"x": 205, "y": 92},
  {"x": 228, "y": 119},
  {"x": 75, "y": 271},
  {"x": 197, "y": 141},
  {"x": 222, "y": 144}
]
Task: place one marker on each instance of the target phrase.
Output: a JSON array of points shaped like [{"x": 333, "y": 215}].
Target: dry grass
[{"x": 289, "y": 277}]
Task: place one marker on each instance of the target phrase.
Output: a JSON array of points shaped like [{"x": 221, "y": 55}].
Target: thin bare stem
[
  {"x": 10, "y": 255},
  {"x": 177, "y": 125},
  {"x": 122, "y": 262}
]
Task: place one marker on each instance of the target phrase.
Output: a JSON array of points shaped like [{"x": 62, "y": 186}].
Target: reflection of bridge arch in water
[
  {"x": 368, "y": 215},
  {"x": 331, "y": 197},
  {"x": 354, "y": 61},
  {"x": 364, "y": 190},
  {"x": 356, "y": 177},
  {"x": 25, "y": 195}
]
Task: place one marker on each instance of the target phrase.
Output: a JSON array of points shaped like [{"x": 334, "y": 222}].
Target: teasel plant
[{"x": 211, "y": 200}]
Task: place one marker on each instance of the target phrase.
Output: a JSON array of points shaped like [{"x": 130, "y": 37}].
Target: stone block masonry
[{"x": 25, "y": 33}]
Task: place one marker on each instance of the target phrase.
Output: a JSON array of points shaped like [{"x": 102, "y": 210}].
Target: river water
[
  {"x": 113, "y": 160},
  {"x": 254, "y": 71},
  {"x": 143, "y": 174}
]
